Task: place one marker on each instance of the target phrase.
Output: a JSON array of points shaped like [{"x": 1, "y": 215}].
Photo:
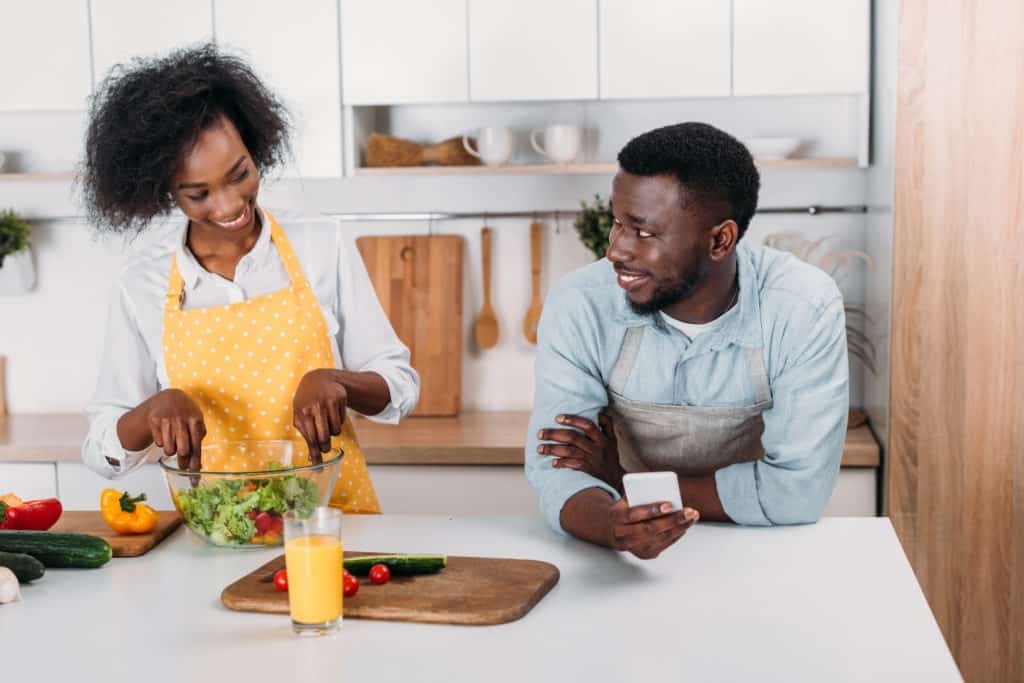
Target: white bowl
[{"x": 772, "y": 148}]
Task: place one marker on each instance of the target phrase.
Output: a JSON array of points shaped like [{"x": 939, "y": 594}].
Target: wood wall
[{"x": 956, "y": 469}]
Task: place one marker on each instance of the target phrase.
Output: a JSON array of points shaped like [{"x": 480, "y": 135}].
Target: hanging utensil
[
  {"x": 486, "y": 328},
  {"x": 533, "y": 312}
]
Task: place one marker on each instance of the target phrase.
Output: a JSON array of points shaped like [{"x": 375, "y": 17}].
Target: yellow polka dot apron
[{"x": 242, "y": 363}]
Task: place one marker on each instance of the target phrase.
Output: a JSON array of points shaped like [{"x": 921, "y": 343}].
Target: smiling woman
[{"x": 226, "y": 332}]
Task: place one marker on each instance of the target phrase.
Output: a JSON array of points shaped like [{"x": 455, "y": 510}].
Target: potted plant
[
  {"x": 17, "y": 272},
  {"x": 593, "y": 223}
]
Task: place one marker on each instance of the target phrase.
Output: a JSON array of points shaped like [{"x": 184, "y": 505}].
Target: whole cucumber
[{"x": 58, "y": 549}]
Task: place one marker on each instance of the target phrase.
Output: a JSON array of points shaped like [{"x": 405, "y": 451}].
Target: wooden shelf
[
  {"x": 35, "y": 177},
  {"x": 576, "y": 169},
  {"x": 472, "y": 438}
]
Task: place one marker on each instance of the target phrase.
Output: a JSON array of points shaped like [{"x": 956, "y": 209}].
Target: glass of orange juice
[{"x": 313, "y": 558}]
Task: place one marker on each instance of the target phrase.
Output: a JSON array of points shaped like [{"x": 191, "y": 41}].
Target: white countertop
[{"x": 835, "y": 601}]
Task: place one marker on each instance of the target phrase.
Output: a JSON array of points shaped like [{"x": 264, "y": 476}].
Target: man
[{"x": 687, "y": 350}]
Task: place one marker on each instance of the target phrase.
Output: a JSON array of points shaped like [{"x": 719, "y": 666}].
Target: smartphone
[{"x": 645, "y": 488}]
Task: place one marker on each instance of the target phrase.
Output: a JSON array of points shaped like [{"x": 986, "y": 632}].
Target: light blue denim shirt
[{"x": 786, "y": 307}]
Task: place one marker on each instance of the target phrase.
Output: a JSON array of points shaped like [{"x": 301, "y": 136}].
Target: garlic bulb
[{"x": 9, "y": 588}]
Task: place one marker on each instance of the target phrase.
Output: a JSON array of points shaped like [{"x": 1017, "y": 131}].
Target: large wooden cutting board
[
  {"x": 418, "y": 280},
  {"x": 472, "y": 591},
  {"x": 90, "y": 522}
]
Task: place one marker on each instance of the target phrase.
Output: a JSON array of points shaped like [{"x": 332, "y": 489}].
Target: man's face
[{"x": 657, "y": 245}]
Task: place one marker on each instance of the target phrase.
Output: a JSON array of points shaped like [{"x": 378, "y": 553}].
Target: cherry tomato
[
  {"x": 350, "y": 585},
  {"x": 263, "y": 523},
  {"x": 281, "y": 580},
  {"x": 379, "y": 573}
]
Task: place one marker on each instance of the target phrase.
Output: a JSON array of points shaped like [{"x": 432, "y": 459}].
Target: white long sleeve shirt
[{"x": 132, "y": 368}]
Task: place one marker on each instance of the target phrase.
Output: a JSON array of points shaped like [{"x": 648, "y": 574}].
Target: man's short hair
[{"x": 713, "y": 168}]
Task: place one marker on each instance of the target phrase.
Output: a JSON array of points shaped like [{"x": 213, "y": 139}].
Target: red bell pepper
[{"x": 32, "y": 515}]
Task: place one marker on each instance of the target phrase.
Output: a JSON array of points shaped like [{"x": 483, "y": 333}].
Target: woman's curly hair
[{"x": 147, "y": 114}]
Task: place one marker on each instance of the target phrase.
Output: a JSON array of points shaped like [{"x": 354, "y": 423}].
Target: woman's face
[{"x": 216, "y": 183}]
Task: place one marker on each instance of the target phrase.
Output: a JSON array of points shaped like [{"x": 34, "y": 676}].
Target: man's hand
[
  {"x": 646, "y": 530},
  {"x": 319, "y": 409},
  {"x": 176, "y": 425},
  {"x": 591, "y": 450}
]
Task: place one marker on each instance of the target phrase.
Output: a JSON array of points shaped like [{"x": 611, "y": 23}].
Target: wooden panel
[
  {"x": 418, "y": 280},
  {"x": 472, "y": 591},
  {"x": 133, "y": 545},
  {"x": 956, "y": 442}
]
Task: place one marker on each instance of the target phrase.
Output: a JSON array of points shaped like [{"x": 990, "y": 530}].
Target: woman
[{"x": 235, "y": 323}]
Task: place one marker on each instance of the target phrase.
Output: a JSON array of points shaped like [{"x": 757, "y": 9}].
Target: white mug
[
  {"x": 561, "y": 142},
  {"x": 494, "y": 145}
]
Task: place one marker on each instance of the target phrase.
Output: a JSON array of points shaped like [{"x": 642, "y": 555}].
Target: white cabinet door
[
  {"x": 797, "y": 47},
  {"x": 44, "y": 53},
  {"x": 532, "y": 50},
  {"x": 122, "y": 29},
  {"x": 80, "y": 487},
  {"x": 403, "y": 51},
  {"x": 294, "y": 48},
  {"x": 28, "y": 480},
  {"x": 665, "y": 48}
]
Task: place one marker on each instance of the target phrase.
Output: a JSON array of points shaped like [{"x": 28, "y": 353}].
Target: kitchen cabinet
[
  {"x": 122, "y": 29},
  {"x": 403, "y": 51},
  {"x": 665, "y": 48},
  {"x": 799, "y": 47},
  {"x": 45, "y": 55},
  {"x": 28, "y": 480},
  {"x": 503, "y": 490},
  {"x": 296, "y": 53},
  {"x": 80, "y": 487},
  {"x": 532, "y": 50}
]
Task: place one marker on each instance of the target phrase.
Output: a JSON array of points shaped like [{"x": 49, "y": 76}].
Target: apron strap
[
  {"x": 627, "y": 359},
  {"x": 287, "y": 253},
  {"x": 759, "y": 376}
]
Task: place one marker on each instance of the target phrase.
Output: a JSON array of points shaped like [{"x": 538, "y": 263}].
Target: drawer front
[
  {"x": 28, "y": 480},
  {"x": 80, "y": 487}
]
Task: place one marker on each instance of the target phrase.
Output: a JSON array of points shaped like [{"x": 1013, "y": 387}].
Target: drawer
[
  {"x": 80, "y": 487},
  {"x": 503, "y": 490},
  {"x": 28, "y": 480}
]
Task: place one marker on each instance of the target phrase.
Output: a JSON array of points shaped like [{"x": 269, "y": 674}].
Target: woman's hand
[
  {"x": 319, "y": 409},
  {"x": 176, "y": 425},
  {"x": 591, "y": 450}
]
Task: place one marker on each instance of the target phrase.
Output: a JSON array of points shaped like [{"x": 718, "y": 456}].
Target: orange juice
[{"x": 314, "y": 566}]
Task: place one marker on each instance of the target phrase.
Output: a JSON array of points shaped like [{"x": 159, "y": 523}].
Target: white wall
[{"x": 52, "y": 336}]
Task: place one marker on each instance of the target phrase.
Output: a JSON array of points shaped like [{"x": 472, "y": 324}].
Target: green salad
[{"x": 246, "y": 511}]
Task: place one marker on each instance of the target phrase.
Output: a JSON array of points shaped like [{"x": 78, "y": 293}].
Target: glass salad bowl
[{"x": 239, "y": 497}]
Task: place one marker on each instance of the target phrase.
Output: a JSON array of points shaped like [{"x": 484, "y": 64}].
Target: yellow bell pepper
[{"x": 127, "y": 515}]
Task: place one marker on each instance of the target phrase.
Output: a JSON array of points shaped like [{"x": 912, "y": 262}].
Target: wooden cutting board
[
  {"x": 418, "y": 280},
  {"x": 471, "y": 591},
  {"x": 90, "y": 522}
]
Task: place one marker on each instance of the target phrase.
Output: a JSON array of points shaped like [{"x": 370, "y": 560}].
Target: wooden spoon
[
  {"x": 533, "y": 312},
  {"x": 486, "y": 329}
]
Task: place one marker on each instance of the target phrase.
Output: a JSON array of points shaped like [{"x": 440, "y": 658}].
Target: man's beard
[{"x": 664, "y": 297}]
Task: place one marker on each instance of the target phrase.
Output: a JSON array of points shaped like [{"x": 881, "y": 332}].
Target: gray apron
[{"x": 690, "y": 440}]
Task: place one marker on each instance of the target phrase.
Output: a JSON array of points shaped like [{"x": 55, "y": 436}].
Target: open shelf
[{"x": 576, "y": 169}]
